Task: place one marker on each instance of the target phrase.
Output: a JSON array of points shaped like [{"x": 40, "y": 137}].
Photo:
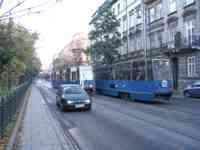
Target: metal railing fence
[{"x": 10, "y": 104}]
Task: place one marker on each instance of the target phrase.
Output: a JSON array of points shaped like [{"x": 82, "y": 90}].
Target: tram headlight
[
  {"x": 164, "y": 83},
  {"x": 88, "y": 101},
  {"x": 69, "y": 102}
]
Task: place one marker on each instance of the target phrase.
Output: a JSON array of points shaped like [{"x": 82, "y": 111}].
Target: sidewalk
[
  {"x": 180, "y": 96},
  {"x": 39, "y": 129}
]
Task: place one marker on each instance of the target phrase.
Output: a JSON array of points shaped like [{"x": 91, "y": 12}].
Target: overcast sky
[{"x": 57, "y": 24}]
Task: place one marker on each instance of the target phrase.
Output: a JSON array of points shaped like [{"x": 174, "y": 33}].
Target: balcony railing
[
  {"x": 192, "y": 42},
  {"x": 148, "y": 1}
]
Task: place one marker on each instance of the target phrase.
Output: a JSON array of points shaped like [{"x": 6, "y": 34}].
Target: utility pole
[
  {"x": 127, "y": 27},
  {"x": 145, "y": 39}
]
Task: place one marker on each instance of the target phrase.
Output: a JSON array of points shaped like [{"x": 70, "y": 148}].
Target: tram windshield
[{"x": 163, "y": 65}]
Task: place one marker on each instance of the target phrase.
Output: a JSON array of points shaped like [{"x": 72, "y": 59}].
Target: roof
[
  {"x": 69, "y": 85},
  {"x": 73, "y": 52}
]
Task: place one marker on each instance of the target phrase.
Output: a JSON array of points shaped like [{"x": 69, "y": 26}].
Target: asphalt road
[{"x": 114, "y": 124}]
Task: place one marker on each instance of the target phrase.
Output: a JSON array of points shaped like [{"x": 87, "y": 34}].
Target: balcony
[
  {"x": 158, "y": 45},
  {"x": 124, "y": 36},
  {"x": 148, "y": 1},
  {"x": 184, "y": 45},
  {"x": 134, "y": 30}
]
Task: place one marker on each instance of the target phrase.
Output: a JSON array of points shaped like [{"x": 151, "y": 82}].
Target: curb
[
  {"x": 182, "y": 97},
  {"x": 68, "y": 142},
  {"x": 12, "y": 141}
]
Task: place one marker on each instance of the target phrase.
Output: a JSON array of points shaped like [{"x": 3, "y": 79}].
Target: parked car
[
  {"x": 71, "y": 97},
  {"x": 192, "y": 90}
]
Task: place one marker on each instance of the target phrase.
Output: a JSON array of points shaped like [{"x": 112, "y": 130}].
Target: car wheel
[
  {"x": 187, "y": 94},
  {"x": 124, "y": 96},
  {"x": 62, "y": 108},
  {"x": 57, "y": 104}
]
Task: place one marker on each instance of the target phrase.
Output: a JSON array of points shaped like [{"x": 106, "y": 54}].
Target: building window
[
  {"x": 152, "y": 41},
  {"x": 118, "y": 9},
  {"x": 172, "y": 28},
  {"x": 132, "y": 43},
  {"x": 152, "y": 14},
  {"x": 172, "y": 5},
  {"x": 155, "y": 12},
  {"x": 114, "y": 11},
  {"x": 131, "y": 18},
  {"x": 188, "y": 2},
  {"x": 124, "y": 24},
  {"x": 191, "y": 66},
  {"x": 119, "y": 28},
  {"x": 138, "y": 14},
  {"x": 172, "y": 33},
  {"x": 160, "y": 38},
  {"x": 138, "y": 42},
  {"x": 124, "y": 4},
  {"x": 156, "y": 39},
  {"x": 159, "y": 11},
  {"x": 189, "y": 31}
]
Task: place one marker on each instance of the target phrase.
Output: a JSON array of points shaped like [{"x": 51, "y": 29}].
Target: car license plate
[{"x": 79, "y": 105}]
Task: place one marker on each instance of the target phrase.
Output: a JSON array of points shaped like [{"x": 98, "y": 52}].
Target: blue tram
[
  {"x": 130, "y": 81},
  {"x": 136, "y": 90}
]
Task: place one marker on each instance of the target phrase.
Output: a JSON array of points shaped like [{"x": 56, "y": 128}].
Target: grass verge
[{"x": 8, "y": 132}]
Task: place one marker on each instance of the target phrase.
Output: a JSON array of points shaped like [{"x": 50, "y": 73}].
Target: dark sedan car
[
  {"x": 192, "y": 90},
  {"x": 73, "y": 97}
]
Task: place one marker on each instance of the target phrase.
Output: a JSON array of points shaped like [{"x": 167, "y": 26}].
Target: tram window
[
  {"x": 138, "y": 74},
  {"x": 126, "y": 75},
  {"x": 73, "y": 75}
]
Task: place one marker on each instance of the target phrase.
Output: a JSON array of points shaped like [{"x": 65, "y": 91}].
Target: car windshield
[
  {"x": 73, "y": 90},
  {"x": 197, "y": 83}
]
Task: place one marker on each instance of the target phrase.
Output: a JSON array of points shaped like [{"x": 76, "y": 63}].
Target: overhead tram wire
[
  {"x": 27, "y": 11},
  {"x": 11, "y": 9},
  {"x": 33, "y": 7},
  {"x": 20, "y": 16},
  {"x": 6, "y": 15}
]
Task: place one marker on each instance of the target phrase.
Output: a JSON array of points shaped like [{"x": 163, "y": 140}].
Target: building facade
[
  {"x": 173, "y": 32},
  {"x": 158, "y": 32},
  {"x": 73, "y": 54}
]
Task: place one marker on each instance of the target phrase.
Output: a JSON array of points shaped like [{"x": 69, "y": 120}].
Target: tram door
[
  {"x": 175, "y": 72},
  {"x": 161, "y": 69}
]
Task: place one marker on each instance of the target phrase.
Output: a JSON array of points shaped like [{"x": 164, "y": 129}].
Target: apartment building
[
  {"x": 129, "y": 13},
  {"x": 158, "y": 30},
  {"x": 173, "y": 32},
  {"x": 71, "y": 55}
]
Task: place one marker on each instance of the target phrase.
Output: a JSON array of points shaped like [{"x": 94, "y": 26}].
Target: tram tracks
[
  {"x": 161, "y": 106},
  {"x": 156, "y": 121},
  {"x": 175, "y": 129},
  {"x": 70, "y": 141}
]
